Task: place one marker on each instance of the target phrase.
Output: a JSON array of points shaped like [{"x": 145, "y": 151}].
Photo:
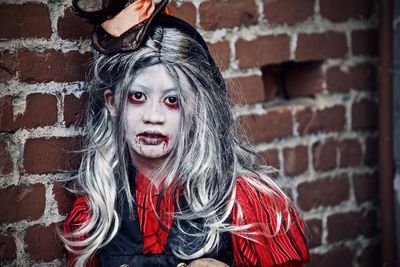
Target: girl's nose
[{"x": 153, "y": 114}]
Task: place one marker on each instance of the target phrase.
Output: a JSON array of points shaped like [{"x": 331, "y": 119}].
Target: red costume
[{"x": 287, "y": 248}]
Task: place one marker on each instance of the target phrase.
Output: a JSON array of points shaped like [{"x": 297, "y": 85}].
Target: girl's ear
[{"x": 110, "y": 102}]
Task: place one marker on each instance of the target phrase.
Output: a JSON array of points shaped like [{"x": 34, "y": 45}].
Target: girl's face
[{"x": 152, "y": 114}]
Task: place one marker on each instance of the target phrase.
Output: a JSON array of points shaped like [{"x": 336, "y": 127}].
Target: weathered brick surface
[
  {"x": 295, "y": 160},
  {"x": 221, "y": 53},
  {"x": 337, "y": 256},
  {"x": 6, "y": 163},
  {"x": 8, "y": 66},
  {"x": 288, "y": 11},
  {"x": 22, "y": 203},
  {"x": 263, "y": 50},
  {"x": 71, "y": 26},
  {"x": 303, "y": 80},
  {"x": 324, "y": 155},
  {"x": 216, "y": 14},
  {"x": 366, "y": 187},
  {"x": 325, "y": 192},
  {"x": 314, "y": 227},
  {"x": 29, "y": 20},
  {"x": 371, "y": 156},
  {"x": 273, "y": 83},
  {"x": 47, "y": 66},
  {"x": 342, "y": 10},
  {"x": 364, "y": 114},
  {"x": 185, "y": 11},
  {"x": 356, "y": 223},
  {"x": 63, "y": 197},
  {"x": 360, "y": 77},
  {"x": 350, "y": 153},
  {"x": 74, "y": 109},
  {"x": 61, "y": 151},
  {"x": 271, "y": 158},
  {"x": 265, "y": 128},
  {"x": 330, "y": 119},
  {"x": 40, "y": 110},
  {"x": 319, "y": 46},
  {"x": 8, "y": 248},
  {"x": 43, "y": 243},
  {"x": 52, "y": 65},
  {"x": 365, "y": 42},
  {"x": 246, "y": 90},
  {"x": 364, "y": 77}
]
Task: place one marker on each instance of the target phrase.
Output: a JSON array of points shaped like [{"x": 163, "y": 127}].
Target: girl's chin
[{"x": 151, "y": 151}]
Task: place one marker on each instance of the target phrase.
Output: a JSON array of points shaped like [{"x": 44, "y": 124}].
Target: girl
[{"x": 164, "y": 180}]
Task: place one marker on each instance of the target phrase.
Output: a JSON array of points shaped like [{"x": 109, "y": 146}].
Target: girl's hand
[{"x": 207, "y": 262}]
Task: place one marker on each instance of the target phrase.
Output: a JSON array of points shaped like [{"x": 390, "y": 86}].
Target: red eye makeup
[
  {"x": 136, "y": 98},
  {"x": 171, "y": 102}
]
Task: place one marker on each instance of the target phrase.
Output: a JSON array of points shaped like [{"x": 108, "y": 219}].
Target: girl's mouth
[{"x": 149, "y": 138}]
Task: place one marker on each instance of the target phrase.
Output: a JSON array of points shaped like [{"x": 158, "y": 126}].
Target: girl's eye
[
  {"x": 171, "y": 102},
  {"x": 136, "y": 97}
]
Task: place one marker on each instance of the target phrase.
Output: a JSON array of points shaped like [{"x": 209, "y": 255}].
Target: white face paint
[{"x": 152, "y": 115}]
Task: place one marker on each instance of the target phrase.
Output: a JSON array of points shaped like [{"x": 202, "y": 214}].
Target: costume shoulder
[
  {"x": 275, "y": 233},
  {"x": 79, "y": 214}
]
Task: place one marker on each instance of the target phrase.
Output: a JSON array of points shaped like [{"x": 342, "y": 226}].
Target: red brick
[
  {"x": 324, "y": 192},
  {"x": 272, "y": 83},
  {"x": 364, "y": 77},
  {"x": 366, "y": 187},
  {"x": 185, "y": 11},
  {"x": 364, "y": 42},
  {"x": 371, "y": 156},
  {"x": 6, "y": 163},
  {"x": 303, "y": 80},
  {"x": 370, "y": 256},
  {"x": 342, "y": 10},
  {"x": 263, "y": 50},
  {"x": 288, "y": 11},
  {"x": 216, "y": 14},
  {"x": 24, "y": 21},
  {"x": 330, "y": 119},
  {"x": 324, "y": 155},
  {"x": 70, "y": 26},
  {"x": 334, "y": 257},
  {"x": 8, "y": 66},
  {"x": 338, "y": 81},
  {"x": 267, "y": 127},
  {"x": 74, "y": 109},
  {"x": 350, "y": 153},
  {"x": 22, "y": 203},
  {"x": 357, "y": 223},
  {"x": 295, "y": 160},
  {"x": 271, "y": 158},
  {"x": 40, "y": 110},
  {"x": 52, "y": 65},
  {"x": 221, "y": 54},
  {"x": 364, "y": 114},
  {"x": 8, "y": 248},
  {"x": 61, "y": 151},
  {"x": 361, "y": 77},
  {"x": 314, "y": 227},
  {"x": 64, "y": 198},
  {"x": 319, "y": 46},
  {"x": 246, "y": 90},
  {"x": 42, "y": 243}
]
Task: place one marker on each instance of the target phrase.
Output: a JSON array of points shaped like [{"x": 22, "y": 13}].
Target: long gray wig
[{"x": 207, "y": 159}]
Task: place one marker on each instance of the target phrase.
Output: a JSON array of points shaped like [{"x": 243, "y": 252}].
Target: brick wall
[{"x": 302, "y": 75}]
